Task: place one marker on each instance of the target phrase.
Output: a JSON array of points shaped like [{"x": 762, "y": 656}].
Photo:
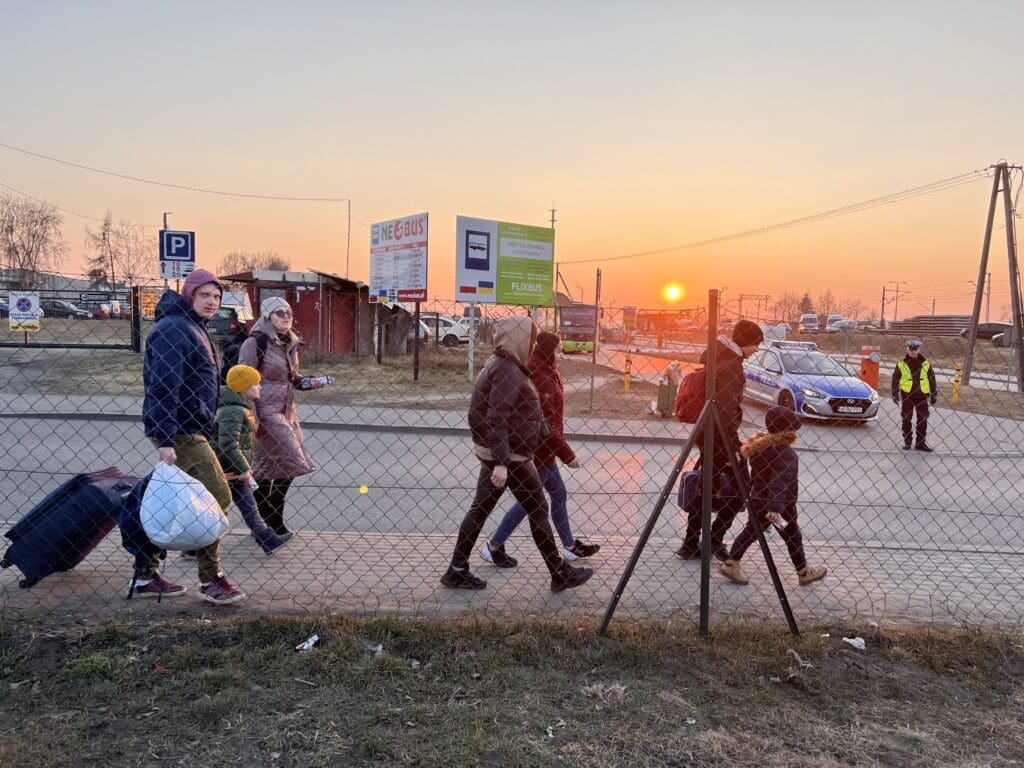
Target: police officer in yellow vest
[{"x": 913, "y": 386}]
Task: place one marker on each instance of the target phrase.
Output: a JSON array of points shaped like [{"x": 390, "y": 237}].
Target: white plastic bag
[{"x": 178, "y": 512}]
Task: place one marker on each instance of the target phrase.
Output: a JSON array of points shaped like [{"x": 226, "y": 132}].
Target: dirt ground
[{"x": 388, "y": 691}]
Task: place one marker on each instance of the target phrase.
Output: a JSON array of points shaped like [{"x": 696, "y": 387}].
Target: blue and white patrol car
[{"x": 797, "y": 375}]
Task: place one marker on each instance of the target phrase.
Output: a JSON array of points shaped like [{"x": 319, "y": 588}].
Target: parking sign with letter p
[{"x": 177, "y": 253}]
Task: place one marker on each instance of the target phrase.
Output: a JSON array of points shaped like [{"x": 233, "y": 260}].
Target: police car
[{"x": 797, "y": 375}]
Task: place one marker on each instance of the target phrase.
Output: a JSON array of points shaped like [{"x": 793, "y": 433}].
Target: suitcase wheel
[
  {"x": 28, "y": 583},
  {"x": 5, "y": 563}
]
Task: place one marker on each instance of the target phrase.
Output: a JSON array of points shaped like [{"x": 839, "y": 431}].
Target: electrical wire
[
  {"x": 926, "y": 189},
  {"x": 176, "y": 186},
  {"x": 62, "y": 210}
]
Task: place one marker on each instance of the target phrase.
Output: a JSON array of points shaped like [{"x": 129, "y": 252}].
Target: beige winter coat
[{"x": 278, "y": 453}]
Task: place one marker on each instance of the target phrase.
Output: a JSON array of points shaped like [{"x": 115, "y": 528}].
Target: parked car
[
  {"x": 61, "y": 308},
  {"x": 226, "y": 325},
  {"x": 449, "y": 332},
  {"x": 988, "y": 330},
  {"x": 424, "y": 334},
  {"x": 842, "y": 326},
  {"x": 797, "y": 375},
  {"x": 1001, "y": 340},
  {"x": 106, "y": 309}
]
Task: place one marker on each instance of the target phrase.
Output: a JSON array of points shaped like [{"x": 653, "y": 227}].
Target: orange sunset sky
[{"x": 647, "y": 126}]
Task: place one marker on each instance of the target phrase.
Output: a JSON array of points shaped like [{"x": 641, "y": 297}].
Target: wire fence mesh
[{"x": 913, "y": 535}]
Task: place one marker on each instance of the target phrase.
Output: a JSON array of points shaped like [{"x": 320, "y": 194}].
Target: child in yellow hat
[{"x": 236, "y": 425}]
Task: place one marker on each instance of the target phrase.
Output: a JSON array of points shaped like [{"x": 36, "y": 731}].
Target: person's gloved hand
[
  {"x": 934, "y": 399},
  {"x": 896, "y": 399}
]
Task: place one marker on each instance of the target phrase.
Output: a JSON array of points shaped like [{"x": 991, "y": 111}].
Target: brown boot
[
  {"x": 809, "y": 574},
  {"x": 732, "y": 571}
]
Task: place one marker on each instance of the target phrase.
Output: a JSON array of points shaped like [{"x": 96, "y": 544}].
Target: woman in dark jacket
[
  {"x": 507, "y": 426},
  {"x": 548, "y": 381}
]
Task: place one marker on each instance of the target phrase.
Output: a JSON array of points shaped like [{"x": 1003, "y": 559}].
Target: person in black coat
[
  {"x": 729, "y": 385},
  {"x": 774, "y": 470},
  {"x": 507, "y": 426}
]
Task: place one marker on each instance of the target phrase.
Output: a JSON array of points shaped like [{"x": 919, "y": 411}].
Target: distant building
[
  {"x": 333, "y": 315},
  {"x": 55, "y": 285}
]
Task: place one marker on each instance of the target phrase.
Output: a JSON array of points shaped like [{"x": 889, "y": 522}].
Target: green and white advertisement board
[{"x": 498, "y": 262}]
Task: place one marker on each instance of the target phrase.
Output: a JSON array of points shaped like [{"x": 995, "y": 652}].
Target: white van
[{"x": 808, "y": 323}]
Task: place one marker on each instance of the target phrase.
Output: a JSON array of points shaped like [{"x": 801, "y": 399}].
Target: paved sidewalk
[{"x": 362, "y": 573}]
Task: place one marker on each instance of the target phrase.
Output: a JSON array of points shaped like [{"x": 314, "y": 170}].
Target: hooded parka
[{"x": 278, "y": 453}]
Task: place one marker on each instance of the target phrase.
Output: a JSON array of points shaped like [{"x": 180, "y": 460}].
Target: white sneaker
[
  {"x": 485, "y": 554},
  {"x": 568, "y": 555}
]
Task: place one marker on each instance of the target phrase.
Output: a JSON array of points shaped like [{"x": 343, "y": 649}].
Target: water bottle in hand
[{"x": 315, "y": 382}]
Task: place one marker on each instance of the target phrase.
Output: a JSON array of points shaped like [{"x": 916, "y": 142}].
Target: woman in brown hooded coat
[
  {"x": 508, "y": 426},
  {"x": 278, "y": 454}
]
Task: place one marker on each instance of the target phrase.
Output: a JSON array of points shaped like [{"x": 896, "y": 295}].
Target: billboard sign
[
  {"x": 398, "y": 259},
  {"x": 502, "y": 263}
]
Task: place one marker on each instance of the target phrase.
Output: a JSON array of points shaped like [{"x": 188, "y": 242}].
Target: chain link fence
[{"x": 908, "y": 535}]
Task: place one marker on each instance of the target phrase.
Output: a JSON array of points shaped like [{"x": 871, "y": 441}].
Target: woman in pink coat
[{"x": 278, "y": 454}]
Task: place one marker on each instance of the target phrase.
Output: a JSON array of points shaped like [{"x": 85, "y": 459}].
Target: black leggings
[
  {"x": 791, "y": 535},
  {"x": 270, "y": 496},
  {"x": 525, "y": 484}
]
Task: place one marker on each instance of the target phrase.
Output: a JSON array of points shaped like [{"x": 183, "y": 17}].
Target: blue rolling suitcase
[{"x": 67, "y": 525}]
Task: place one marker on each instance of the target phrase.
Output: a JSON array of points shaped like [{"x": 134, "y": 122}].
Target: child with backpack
[
  {"x": 236, "y": 424},
  {"x": 774, "y": 467}
]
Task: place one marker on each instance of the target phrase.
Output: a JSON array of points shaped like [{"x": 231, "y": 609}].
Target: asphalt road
[
  {"x": 856, "y": 485},
  {"x": 935, "y": 537}
]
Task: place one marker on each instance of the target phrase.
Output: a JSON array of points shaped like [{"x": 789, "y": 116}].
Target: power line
[
  {"x": 62, "y": 210},
  {"x": 894, "y": 197},
  {"x": 176, "y": 186}
]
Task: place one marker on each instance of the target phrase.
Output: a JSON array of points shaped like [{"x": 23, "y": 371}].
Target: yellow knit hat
[{"x": 241, "y": 377}]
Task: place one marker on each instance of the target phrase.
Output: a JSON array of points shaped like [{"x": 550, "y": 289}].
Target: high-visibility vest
[{"x": 907, "y": 378}]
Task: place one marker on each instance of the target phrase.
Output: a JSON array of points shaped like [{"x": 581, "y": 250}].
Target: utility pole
[
  {"x": 881, "y": 314},
  {"x": 988, "y": 300},
  {"x": 896, "y": 307},
  {"x": 757, "y": 297},
  {"x": 1000, "y": 184}
]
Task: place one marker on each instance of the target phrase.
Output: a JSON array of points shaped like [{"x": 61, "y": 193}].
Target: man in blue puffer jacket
[{"x": 182, "y": 385}]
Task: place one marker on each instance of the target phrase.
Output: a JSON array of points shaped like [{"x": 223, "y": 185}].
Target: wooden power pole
[{"x": 1000, "y": 183}]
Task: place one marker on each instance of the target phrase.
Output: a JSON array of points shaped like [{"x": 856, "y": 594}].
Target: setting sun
[{"x": 672, "y": 292}]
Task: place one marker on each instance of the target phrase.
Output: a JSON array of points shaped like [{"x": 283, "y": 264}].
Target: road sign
[
  {"x": 23, "y": 310},
  {"x": 177, "y": 253},
  {"x": 498, "y": 262}
]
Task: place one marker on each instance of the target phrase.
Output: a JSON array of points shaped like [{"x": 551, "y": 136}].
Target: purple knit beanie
[{"x": 197, "y": 278}]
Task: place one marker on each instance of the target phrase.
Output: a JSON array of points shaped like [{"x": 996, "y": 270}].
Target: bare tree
[
  {"x": 244, "y": 261},
  {"x": 30, "y": 239},
  {"x": 119, "y": 249},
  {"x": 101, "y": 268},
  {"x": 853, "y": 309},
  {"x": 826, "y": 303},
  {"x": 134, "y": 252},
  {"x": 787, "y": 308}
]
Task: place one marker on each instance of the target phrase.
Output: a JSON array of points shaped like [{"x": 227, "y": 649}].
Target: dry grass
[{"x": 234, "y": 692}]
